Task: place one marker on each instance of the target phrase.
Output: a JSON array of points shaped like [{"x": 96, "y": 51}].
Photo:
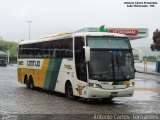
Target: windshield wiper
[
  {"x": 117, "y": 62},
  {"x": 113, "y": 70}
]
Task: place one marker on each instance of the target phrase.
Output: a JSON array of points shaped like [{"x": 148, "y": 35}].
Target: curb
[{"x": 158, "y": 74}]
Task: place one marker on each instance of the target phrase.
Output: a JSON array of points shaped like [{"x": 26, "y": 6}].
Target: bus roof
[
  {"x": 70, "y": 35},
  {"x": 98, "y": 34}
]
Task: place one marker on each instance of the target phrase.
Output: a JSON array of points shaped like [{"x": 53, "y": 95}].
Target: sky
[{"x": 55, "y": 16}]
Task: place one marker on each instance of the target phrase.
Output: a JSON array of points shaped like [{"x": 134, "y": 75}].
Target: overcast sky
[{"x": 54, "y": 16}]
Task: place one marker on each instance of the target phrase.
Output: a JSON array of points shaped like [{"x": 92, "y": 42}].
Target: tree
[{"x": 156, "y": 41}]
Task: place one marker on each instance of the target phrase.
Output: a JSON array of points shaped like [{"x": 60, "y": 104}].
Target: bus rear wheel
[
  {"x": 27, "y": 84},
  {"x": 69, "y": 91},
  {"x": 30, "y": 84}
]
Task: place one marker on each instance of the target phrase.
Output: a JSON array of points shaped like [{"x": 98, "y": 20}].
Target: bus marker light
[{"x": 125, "y": 82}]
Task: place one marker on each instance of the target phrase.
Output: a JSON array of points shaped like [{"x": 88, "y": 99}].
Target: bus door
[{"x": 80, "y": 64}]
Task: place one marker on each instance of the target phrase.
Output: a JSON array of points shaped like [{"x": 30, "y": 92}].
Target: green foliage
[
  {"x": 156, "y": 41},
  {"x": 150, "y": 58},
  {"x": 136, "y": 57},
  {"x": 11, "y": 46},
  {"x": 13, "y": 59}
]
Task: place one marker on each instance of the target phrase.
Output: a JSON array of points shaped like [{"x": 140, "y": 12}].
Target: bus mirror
[{"x": 87, "y": 53}]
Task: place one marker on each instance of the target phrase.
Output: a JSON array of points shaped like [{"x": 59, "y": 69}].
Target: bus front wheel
[{"x": 69, "y": 91}]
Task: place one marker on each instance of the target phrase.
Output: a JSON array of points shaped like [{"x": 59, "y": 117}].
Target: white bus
[{"x": 83, "y": 64}]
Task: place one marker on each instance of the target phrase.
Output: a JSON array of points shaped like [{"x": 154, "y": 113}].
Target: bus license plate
[{"x": 114, "y": 93}]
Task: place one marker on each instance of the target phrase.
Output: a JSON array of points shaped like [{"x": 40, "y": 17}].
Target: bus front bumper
[{"x": 103, "y": 93}]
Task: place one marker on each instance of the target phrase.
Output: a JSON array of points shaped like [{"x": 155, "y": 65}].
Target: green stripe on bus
[{"x": 52, "y": 74}]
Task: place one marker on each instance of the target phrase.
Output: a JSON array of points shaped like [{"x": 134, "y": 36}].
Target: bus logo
[
  {"x": 67, "y": 66},
  {"x": 79, "y": 89}
]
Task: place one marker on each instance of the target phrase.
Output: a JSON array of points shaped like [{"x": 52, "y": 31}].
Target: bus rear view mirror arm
[{"x": 87, "y": 53}]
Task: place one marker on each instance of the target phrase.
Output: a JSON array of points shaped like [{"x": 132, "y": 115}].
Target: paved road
[{"x": 16, "y": 99}]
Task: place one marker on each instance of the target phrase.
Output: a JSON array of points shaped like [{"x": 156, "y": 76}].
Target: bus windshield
[
  {"x": 111, "y": 59},
  {"x": 108, "y": 42}
]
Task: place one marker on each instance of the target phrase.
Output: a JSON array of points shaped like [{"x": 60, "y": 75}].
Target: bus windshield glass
[
  {"x": 111, "y": 59},
  {"x": 108, "y": 42}
]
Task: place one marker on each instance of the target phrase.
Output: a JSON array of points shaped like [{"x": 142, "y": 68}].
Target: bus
[{"x": 80, "y": 64}]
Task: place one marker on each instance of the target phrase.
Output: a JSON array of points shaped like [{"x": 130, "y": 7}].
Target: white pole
[
  {"x": 8, "y": 54},
  {"x": 29, "y": 34}
]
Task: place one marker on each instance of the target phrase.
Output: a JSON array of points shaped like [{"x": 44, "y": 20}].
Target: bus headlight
[
  {"x": 95, "y": 85},
  {"x": 131, "y": 84}
]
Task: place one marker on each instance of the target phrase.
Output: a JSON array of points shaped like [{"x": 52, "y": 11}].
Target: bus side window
[
  {"x": 46, "y": 50},
  {"x": 38, "y": 50},
  {"x": 79, "y": 59},
  {"x": 67, "y": 49}
]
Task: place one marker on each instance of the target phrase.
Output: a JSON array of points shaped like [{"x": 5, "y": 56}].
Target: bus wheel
[
  {"x": 27, "y": 84},
  {"x": 69, "y": 91},
  {"x": 31, "y": 83}
]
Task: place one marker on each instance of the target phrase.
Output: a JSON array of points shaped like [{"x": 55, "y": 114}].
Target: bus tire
[
  {"x": 27, "y": 84},
  {"x": 31, "y": 83},
  {"x": 25, "y": 79},
  {"x": 69, "y": 91}
]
